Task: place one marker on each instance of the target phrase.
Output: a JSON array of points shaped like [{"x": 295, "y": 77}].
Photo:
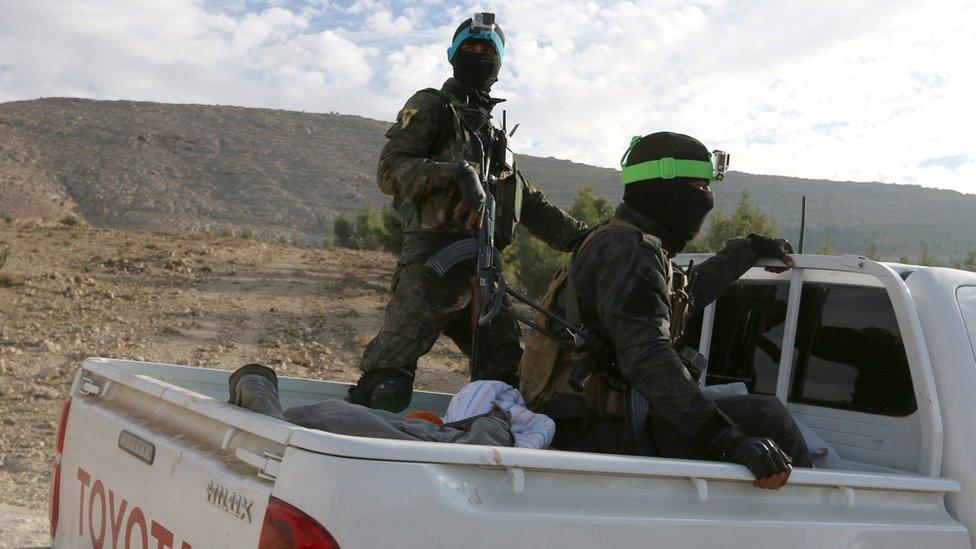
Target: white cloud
[
  {"x": 843, "y": 90},
  {"x": 414, "y": 68},
  {"x": 838, "y": 90},
  {"x": 385, "y": 23},
  {"x": 270, "y": 26},
  {"x": 177, "y": 50}
]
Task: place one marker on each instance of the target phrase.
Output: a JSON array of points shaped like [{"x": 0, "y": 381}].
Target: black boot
[
  {"x": 247, "y": 370},
  {"x": 388, "y": 389},
  {"x": 255, "y": 387}
]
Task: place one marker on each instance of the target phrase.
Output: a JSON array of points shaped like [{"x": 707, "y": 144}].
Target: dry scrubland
[{"x": 71, "y": 292}]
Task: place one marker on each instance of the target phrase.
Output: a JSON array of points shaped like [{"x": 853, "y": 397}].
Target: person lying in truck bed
[
  {"x": 643, "y": 397},
  {"x": 484, "y": 412},
  {"x": 255, "y": 387}
]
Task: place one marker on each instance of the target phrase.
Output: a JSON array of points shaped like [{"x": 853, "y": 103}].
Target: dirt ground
[{"x": 67, "y": 293}]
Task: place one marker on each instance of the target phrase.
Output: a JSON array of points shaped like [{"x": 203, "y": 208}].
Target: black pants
[{"x": 755, "y": 416}]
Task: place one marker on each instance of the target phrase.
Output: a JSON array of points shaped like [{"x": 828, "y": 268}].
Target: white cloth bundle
[{"x": 531, "y": 430}]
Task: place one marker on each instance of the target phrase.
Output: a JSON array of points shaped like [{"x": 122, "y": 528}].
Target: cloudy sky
[{"x": 872, "y": 91}]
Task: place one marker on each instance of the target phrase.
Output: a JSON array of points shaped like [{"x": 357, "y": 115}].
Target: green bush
[
  {"x": 393, "y": 235},
  {"x": 370, "y": 230},
  {"x": 969, "y": 263},
  {"x": 344, "y": 232},
  {"x": 72, "y": 220},
  {"x": 590, "y": 208},
  {"x": 226, "y": 233},
  {"x": 373, "y": 229},
  {"x": 6, "y": 218},
  {"x": 925, "y": 259},
  {"x": 531, "y": 264},
  {"x": 872, "y": 252},
  {"x": 826, "y": 247}
]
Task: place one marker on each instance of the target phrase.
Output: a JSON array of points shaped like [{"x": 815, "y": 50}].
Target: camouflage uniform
[
  {"x": 434, "y": 132},
  {"x": 623, "y": 279}
]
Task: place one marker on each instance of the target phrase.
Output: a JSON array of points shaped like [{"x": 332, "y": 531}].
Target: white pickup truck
[{"x": 877, "y": 359}]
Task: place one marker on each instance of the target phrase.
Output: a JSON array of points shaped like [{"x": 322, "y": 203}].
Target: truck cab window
[
  {"x": 747, "y": 337},
  {"x": 848, "y": 355}
]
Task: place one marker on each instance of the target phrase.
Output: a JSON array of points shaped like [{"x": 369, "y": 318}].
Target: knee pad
[{"x": 389, "y": 389}]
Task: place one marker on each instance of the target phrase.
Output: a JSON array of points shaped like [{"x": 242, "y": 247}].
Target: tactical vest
[
  {"x": 433, "y": 212},
  {"x": 547, "y": 366}
]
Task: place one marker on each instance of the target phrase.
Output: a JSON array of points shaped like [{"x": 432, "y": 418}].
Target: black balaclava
[
  {"x": 680, "y": 208},
  {"x": 477, "y": 70}
]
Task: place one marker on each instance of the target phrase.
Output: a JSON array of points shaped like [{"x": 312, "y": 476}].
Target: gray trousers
[{"x": 259, "y": 394}]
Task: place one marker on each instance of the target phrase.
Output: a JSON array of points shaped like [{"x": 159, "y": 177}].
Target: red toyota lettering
[
  {"x": 99, "y": 490},
  {"x": 116, "y": 519},
  {"x": 164, "y": 538},
  {"x": 103, "y": 517},
  {"x": 84, "y": 478},
  {"x": 136, "y": 517}
]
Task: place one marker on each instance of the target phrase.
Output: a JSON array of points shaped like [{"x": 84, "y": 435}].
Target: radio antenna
[{"x": 803, "y": 221}]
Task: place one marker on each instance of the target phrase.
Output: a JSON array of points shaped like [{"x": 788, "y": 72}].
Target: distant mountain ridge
[{"x": 153, "y": 166}]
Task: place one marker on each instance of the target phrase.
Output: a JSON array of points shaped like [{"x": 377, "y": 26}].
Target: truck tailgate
[{"x": 126, "y": 479}]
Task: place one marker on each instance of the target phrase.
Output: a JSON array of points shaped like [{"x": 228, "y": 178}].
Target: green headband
[{"x": 664, "y": 168}]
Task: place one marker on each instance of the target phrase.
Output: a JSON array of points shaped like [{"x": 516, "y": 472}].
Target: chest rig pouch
[
  {"x": 548, "y": 369},
  {"x": 508, "y": 203}
]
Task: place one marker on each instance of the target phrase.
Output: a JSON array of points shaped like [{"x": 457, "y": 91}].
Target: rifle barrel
[
  {"x": 535, "y": 326},
  {"x": 551, "y": 316}
]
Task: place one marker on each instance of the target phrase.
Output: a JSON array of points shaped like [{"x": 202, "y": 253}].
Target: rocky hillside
[
  {"x": 188, "y": 167},
  {"x": 151, "y": 166},
  {"x": 67, "y": 293}
]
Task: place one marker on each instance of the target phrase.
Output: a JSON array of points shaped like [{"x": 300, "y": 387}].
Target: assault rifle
[{"x": 488, "y": 286}]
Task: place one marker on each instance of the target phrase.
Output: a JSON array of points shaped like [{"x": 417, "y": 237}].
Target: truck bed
[{"x": 374, "y": 492}]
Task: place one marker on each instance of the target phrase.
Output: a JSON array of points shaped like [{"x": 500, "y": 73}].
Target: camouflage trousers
[{"x": 422, "y": 307}]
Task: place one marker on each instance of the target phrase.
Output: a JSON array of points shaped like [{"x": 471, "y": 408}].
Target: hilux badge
[{"x": 231, "y": 502}]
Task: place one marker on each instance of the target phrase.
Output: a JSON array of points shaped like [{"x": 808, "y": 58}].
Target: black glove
[
  {"x": 774, "y": 248},
  {"x": 761, "y": 455},
  {"x": 472, "y": 193}
]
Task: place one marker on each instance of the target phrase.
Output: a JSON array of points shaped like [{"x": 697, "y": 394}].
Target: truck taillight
[
  {"x": 56, "y": 478},
  {"x": 285, "y": 527}
]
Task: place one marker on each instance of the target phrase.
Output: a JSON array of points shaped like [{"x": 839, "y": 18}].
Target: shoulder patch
[
  {"x": 405, "y": 116},
  {"x": 421, "y": 106}
]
